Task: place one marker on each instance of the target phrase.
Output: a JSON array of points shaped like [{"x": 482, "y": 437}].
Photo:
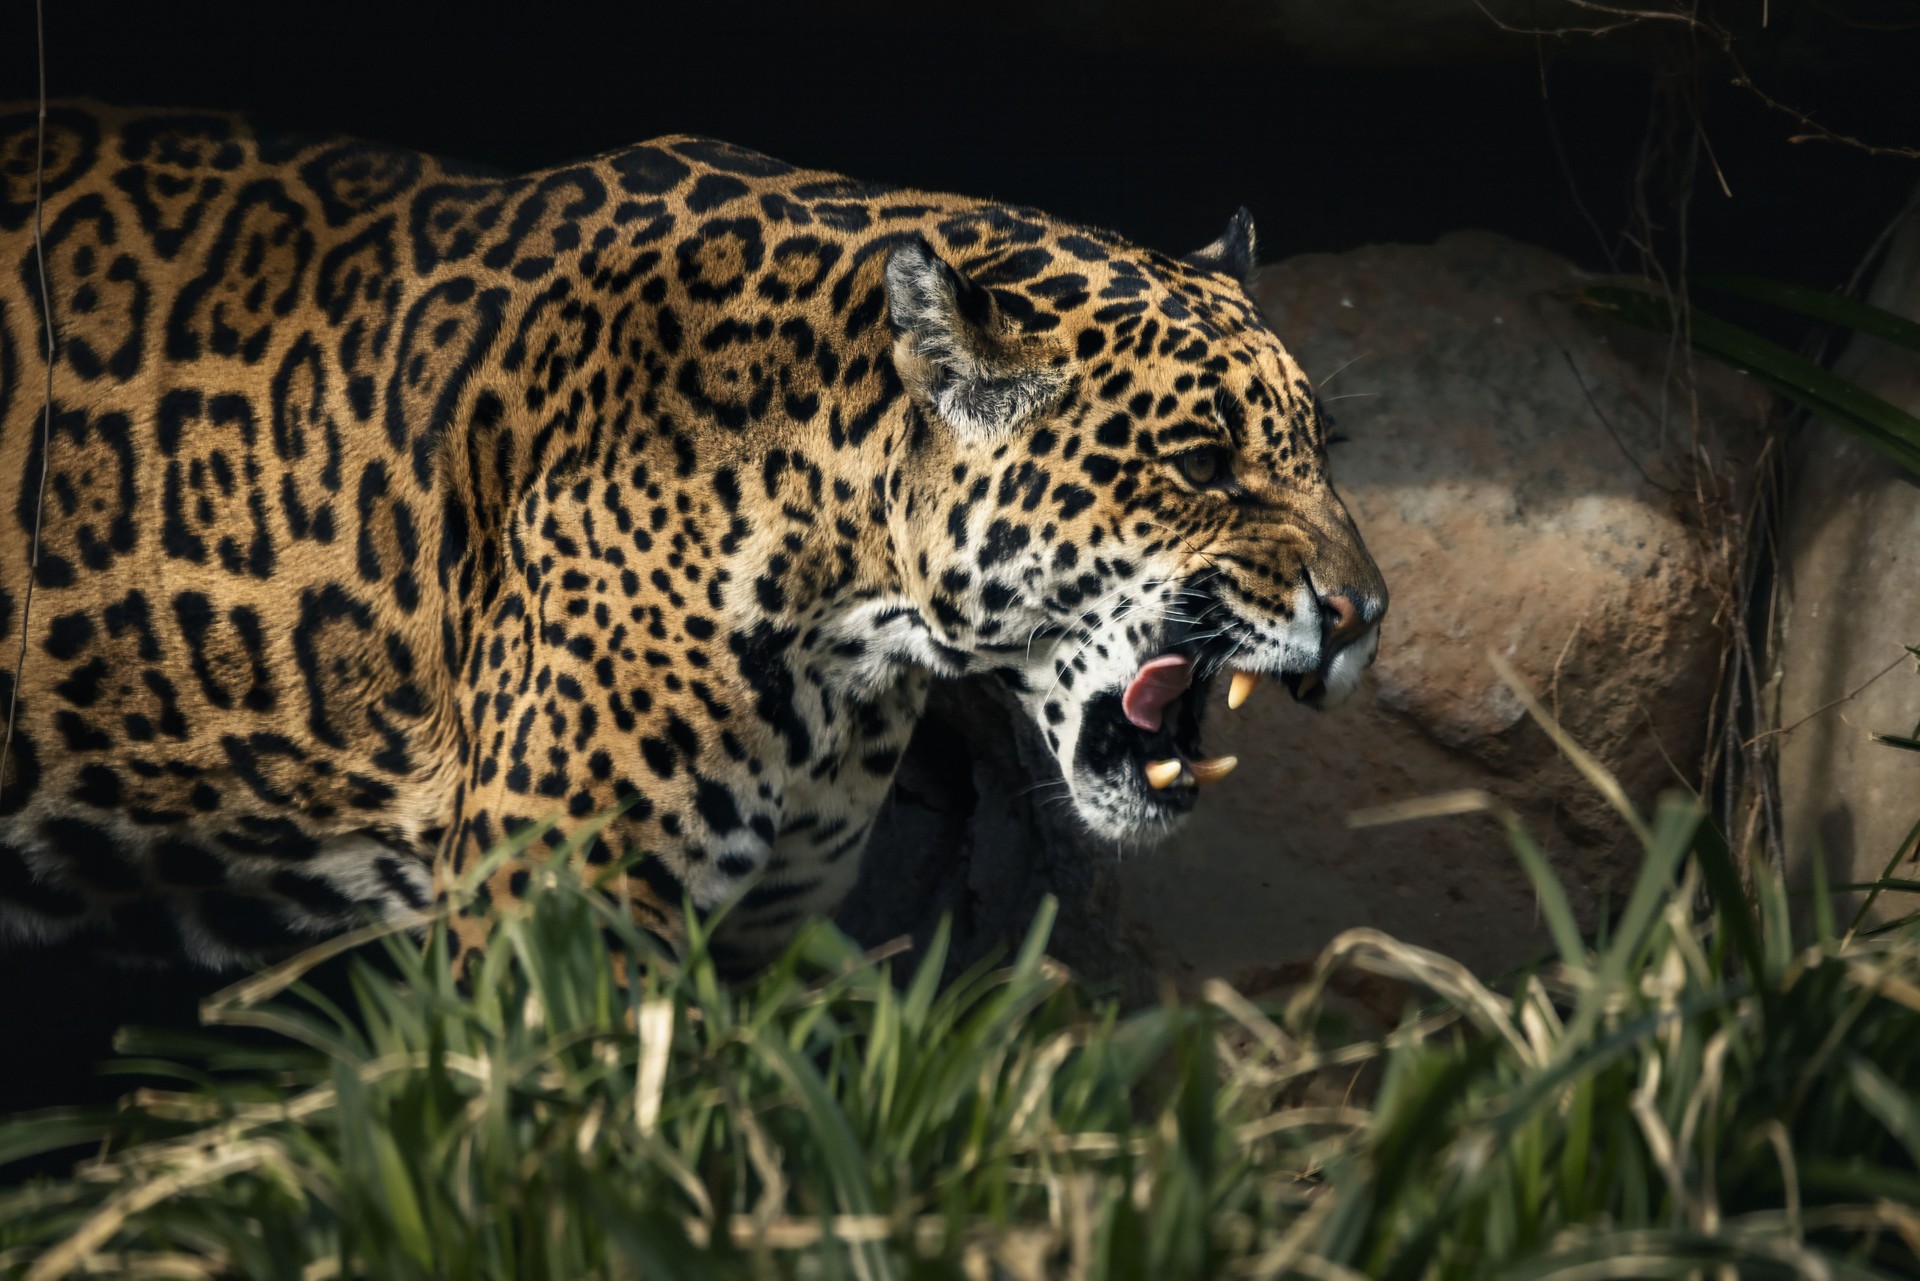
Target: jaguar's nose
[{"x": 1344, "y": 619}]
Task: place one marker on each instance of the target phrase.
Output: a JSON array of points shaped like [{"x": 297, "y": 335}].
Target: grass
[
  {"x": 1800, "y": 381},
  {"x": 1692, "y": 1094}
]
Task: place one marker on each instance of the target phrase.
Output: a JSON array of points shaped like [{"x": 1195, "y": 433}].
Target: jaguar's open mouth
[{"x": 1149, "y": 733}]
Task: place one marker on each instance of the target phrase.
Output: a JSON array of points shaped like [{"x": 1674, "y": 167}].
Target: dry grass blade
[
  {"x": 1040, "y": 1079},
  {"x": 1299, "y": 1118},
  {"x": 1286, "y": 1252},
  {"x": 276, "y": 979},
  {"x": 650, "y": 1074},
  {"x": 1440, "y": 805},
  {"x": 1547, "y": 889},
  {"x": 1382, "y": 954},
  {"x": 1598, "y": 776},
  {"x": 73, "y": 1253},
  {"x": 1225, "y": 997}
]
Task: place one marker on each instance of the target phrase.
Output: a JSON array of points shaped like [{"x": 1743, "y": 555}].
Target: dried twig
[
  {"x": 1847, "y": 697},
  {"x": 46, "y": 414}
]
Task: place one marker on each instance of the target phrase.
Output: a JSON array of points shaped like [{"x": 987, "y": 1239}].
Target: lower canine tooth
[
  {"x": 1212, "y": 771},
  {"x": 1163, "y": 774},
  {"x": 1242, "y": 688}
]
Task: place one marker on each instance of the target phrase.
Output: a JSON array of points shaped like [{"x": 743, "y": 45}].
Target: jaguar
[{"x": 367, "y": 509}]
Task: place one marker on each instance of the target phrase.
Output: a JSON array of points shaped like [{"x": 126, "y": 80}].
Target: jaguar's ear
[
  {"x": 1232, "y": 254},
  {"x": 953, "y": 352}
]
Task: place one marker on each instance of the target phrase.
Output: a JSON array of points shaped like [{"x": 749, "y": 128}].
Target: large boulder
[
  {"x": 1529, "y": 478},
  {"x": 1851, "y": 605}
]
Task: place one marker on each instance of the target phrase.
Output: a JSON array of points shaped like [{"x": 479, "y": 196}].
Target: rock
[
  {"x": 1851, "y": 596},
  {"x": 1523, "y": 490}
]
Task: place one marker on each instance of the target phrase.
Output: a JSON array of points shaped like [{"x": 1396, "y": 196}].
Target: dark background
[{"x": 1153, "y": 120}]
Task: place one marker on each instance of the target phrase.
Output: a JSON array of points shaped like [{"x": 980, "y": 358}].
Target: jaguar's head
[{"x": 1116, "y": 493}]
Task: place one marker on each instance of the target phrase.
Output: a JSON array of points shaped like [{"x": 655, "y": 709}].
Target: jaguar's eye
[{"x": 1203, "y": 467}]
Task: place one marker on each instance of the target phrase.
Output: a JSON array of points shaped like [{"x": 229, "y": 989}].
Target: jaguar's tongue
[{"x": 1158, "y": 682}]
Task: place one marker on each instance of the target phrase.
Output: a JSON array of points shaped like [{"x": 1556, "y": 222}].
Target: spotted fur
[{"x": 392, "y": 506}]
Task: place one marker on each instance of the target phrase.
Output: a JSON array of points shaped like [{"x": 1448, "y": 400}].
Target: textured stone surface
[
  {"x": 1851, "y": 595},
  {"x": 1516, "y": 476}
]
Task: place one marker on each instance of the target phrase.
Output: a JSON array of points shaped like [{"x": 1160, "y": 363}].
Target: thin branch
[
  {"x": 1814, "y": 130},
  {"x": 46, "y": 417},
  {"x": 1847, "y": 697},
  {"x": 1624, "y": 18}
]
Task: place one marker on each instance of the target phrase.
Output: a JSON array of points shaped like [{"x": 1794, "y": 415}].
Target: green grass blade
[
  {"x": 1824, "y": 930},
  {"x": 35, "y": 1133},
  {"x": 1547, "y": 891},
  {"x": 1896, "y": 1108},
  {"x": 1732, "y": 908},
  {"x": 1897, "y": 884},
  {"x": 1887, "y": 427},
  {"x": 1671, "y": 836},
  {"x": 1833, "y": 308},
  {"x": 1901, "y": 852}
]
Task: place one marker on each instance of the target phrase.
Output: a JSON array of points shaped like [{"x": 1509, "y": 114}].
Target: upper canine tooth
[
  {"x": 1241, "y": 689},
  {"x": 1163, "y": 774},
  {"x": 1212, "y": 771}
]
